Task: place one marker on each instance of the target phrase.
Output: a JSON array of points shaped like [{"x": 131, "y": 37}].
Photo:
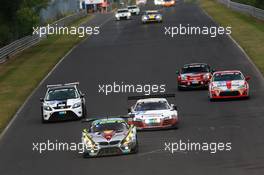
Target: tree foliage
[{"x": 17, "y": 17}]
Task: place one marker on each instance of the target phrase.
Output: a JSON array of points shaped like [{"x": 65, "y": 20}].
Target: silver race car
[
  {"x": 153, "y": 112},
  {"x": 109, "y": 136},
  {"x": 63, "y": 102}
]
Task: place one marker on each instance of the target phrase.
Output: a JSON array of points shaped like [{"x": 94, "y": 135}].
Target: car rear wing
[
  {"x": 65, "y": 84},
  {"x": 151, "y": 96},
  {"x": 90, "y": 120}
]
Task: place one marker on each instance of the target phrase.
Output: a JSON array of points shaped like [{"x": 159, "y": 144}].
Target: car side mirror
[
  {"x": 41, "y": 100},
  {"x": 248, "y": 78},
  {"x": 213, "y": 70},
  {"x": 82, "y": 95},
  {"x": 177, "y": 72},
  {"x": 129, "y": 110},
  {"x": 174, "y": 107}
]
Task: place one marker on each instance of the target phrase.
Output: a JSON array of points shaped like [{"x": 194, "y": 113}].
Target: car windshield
[
  {"x": 227, "y": 77},
  {"x": 132, "y": 7},
  {"x": 195, "y": 69},
  {"x": 152, "y": 106},
  {"x": 152, "y": 13},
  {"x": 116, "y": 126},
  {"x": 122, "y": 11},
  {"x": 62, "y": 94}
]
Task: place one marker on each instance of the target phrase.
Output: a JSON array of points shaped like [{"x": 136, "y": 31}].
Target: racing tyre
[
  {"x": 135, "y": 149},
  {"x": 84, "y": 112}
]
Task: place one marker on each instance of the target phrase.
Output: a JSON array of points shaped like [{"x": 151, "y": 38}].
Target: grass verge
[
  {"x": 22, "y": 73},
  {"x": 246, "y": 30}
]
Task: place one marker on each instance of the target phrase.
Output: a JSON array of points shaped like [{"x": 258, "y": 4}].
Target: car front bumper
[
  {"x": 117, "y": 149},
  {"x": 220, "y": 94},
  {"x": 63, "y": 114}
]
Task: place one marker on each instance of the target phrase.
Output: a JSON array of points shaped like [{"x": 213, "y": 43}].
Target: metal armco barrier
[
  {"x": 28, "y": 41},
  {"x": 247, "y": 9}
]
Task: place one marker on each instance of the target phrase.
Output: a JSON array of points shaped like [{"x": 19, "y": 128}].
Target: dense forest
[
  {"x": 17, "y": 17},
  {"x": 256, "y": 3}
]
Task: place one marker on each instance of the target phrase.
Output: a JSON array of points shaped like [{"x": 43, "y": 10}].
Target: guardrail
[
  {"x": 247, "y": 9},
  {"x": 28, "y": 41}
]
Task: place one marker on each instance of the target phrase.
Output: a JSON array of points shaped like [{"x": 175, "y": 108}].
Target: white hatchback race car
[
  {"x": 153, "y": 113},
  {"x": 122, "y": 14},
  {"x": 134, "y": 9},
  {"x": 62, "y": 102}
]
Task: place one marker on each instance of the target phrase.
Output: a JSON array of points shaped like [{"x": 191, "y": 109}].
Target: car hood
[
  {"x": 154, "y": 114},
  {"x": 108, "y": 136},
  {"x": 57, "y": 103},
  {"x": 228, "y": 84}
]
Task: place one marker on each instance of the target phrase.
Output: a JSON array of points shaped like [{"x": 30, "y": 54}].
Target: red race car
[
  {"x": 195, "y": 75},
  {"x": 228, "y": 84}
]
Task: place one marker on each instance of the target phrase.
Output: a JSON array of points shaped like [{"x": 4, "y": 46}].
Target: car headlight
[
  {"x": 116, "y": 16},
  {"x": 128, "y": 138},
  {"x": 77, "y": 105},
  {"x": 47, "y": 108},
  {"x": 206, "y": 76},
  {"x": 158, "y": 16},
  {"x": 144, "y": 18},
  {"x": 242, "y": 86},
  {"x": 183, "y": 77}
]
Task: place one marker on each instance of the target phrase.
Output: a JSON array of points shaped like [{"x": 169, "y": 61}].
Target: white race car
[
  {"x": 151, "y": 113},
  {"x": 122, "y": 14},
  {"x": 228, "y": 84},
  {"x": 134, "y": 9},
  {"x": 63, "y": 102}
]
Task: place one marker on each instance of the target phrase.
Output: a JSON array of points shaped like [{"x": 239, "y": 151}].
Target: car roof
[
  {"x": 62, "y": 87},
  {"x": 195, "y": 64},
  {"x": 149, "y": 100},
  {"x": 152, "y": 11},
  {"x": 227, "y": 71},
  {"x": 122, "y": 9}
]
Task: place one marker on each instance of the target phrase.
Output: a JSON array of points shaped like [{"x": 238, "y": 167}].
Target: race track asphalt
[{"x": 130, "y": 52}]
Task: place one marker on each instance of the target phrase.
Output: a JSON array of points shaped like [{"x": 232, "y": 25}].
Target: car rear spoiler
[
  {"x": 89, "y": 120},
  {"x": 151, "y": 96},
  {"x": 65, "y": 84}
]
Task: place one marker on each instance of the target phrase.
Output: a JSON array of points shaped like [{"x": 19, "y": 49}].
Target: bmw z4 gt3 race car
[
  {"x": 228, "y": 84},
  {"x": 63, "y": 102},
  {"x": 109, "y": 136},
  {"x": 151, "y": 16},
  {"x": 153, "y": 112},
  {"x": 195, "y": 75}
]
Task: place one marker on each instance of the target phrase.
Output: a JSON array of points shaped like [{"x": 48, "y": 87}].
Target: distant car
[
  {"x": 122, "y": 14},
  {"x": 153, "y": 113},
  {"x": 151, "y": 16},
  {"x": 168, "y": 3},
  {"x": 63, "y": 102},
  {"x": 158, "y": 2},
  {"x": 141, "y": 2},
  {"x": 109, "y": 136},
  {"x": 194, "y": 75},
  {"x": 133, "y": 9},
  {"x": 228, "y": 84}
]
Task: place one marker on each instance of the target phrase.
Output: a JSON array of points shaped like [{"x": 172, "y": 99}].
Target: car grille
[
  {"x": 62, "y": 107},
  {"x": 109, "y": 143},
  {"x": 109, "y": 151},
  {"x": 68, "y": 116},
  {"x": 231, "y": 93}
]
